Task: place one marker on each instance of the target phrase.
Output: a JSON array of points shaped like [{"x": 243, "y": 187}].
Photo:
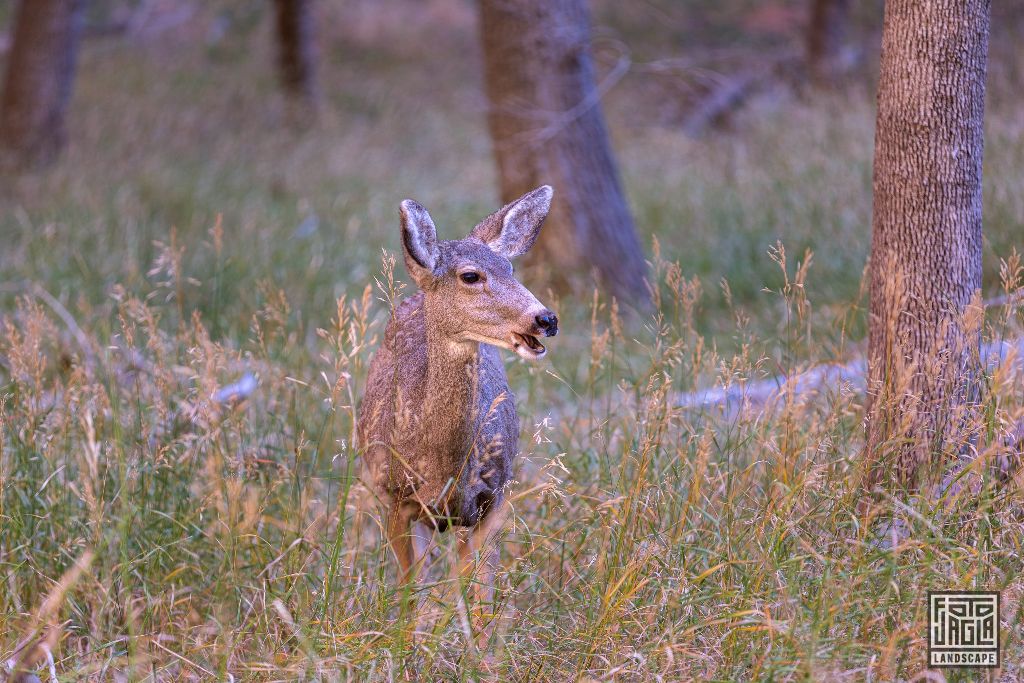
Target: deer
[{"x": 437, "y": 423}]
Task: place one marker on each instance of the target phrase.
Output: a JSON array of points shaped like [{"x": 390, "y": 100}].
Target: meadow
[{"x": 194, "y": 235}]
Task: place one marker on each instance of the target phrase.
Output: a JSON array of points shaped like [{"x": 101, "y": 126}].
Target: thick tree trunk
[
  {"x": 925, "y": 311},
  {"x": 296, "y": 53},
  {"x": 37, "y": 86},
  {"x": 546, "y": 123},
  {"x": 826, "y": 37}
]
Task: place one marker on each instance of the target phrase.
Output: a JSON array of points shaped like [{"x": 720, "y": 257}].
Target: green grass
[{"x": 648, "y": 541}]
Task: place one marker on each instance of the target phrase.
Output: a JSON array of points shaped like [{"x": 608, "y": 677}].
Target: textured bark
[
  {"x": 296, "y": 53},
  {"x": 37, "y": 86},
  {"x": 925, "y": 310},
  {"x": 547, "y": 127},
  {"x": 826, "y": 36}
]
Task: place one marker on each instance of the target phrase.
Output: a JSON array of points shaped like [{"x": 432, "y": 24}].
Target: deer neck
[{"x": 451, "y": 386}]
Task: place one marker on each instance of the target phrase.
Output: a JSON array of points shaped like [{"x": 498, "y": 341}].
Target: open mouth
[{"x": 527, "y": 345}]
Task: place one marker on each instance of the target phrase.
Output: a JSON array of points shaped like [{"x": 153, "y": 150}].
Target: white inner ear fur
[
  {"x": 522, "y": 221},
  {"x": 419, "y": 234},
  {"x": 420, "y": 251}
]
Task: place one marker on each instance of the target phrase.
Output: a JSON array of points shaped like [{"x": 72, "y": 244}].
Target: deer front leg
[
  {"x": 479, "y": 556},
  {"x": 400, "y": 536}
]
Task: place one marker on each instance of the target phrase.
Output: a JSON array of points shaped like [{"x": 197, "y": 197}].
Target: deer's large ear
[
  {"x": 419, "y": 242},
  {"x": 513, "y": 229}
]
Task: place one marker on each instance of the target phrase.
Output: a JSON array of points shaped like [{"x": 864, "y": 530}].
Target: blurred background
[{"x": 724, "y": 142}]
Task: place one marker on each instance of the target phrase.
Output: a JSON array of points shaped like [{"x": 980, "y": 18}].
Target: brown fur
[{"x": 438, "y": 424}]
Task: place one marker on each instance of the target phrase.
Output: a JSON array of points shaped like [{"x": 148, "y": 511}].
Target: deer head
[{"x": 470, "y": 293}]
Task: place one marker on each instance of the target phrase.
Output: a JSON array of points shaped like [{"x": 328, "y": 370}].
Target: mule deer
[{"x": 438, "y": 423}]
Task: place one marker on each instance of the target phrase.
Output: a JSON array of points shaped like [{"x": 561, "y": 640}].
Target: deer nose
[{"x": 548, "y": 323}]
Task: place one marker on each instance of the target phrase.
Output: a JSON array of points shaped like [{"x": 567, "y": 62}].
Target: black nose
[{"x": 548, "y": 323}]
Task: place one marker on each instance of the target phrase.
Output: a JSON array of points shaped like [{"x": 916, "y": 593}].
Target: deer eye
[{"x": 470, "y": 278}]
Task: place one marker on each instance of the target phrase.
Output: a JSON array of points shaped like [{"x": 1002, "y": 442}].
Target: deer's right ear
[{"x": 419, "y": 242}]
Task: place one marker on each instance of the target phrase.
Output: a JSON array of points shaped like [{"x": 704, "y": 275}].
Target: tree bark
[
  {"x": 925, "y": 273},
  {"x": 547, "y": 127},
  {"x": 826, "y": 38},
  {"x": 38, "y": 83},
  {"x": 296, "y": 50}
]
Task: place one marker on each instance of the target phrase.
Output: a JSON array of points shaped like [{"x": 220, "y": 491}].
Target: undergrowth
[{"x": 190, "y": 300}]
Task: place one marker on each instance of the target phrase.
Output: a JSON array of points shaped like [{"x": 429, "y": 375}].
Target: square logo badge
[{"x": 963, "y": 629}]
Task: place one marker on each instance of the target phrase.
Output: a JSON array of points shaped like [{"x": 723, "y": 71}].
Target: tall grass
[
  {"x": 190, "y": 239},
  {"x": 648, "y": 540}
]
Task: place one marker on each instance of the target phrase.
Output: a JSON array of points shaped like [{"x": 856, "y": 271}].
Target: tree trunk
[
  {"x": 296, "y": 54},
  {"x": 547, "y": 127},
  {"x": 925, "y": 311},
  {"x": 826, "y": 38},
  {"x": 37, "y": 86}
]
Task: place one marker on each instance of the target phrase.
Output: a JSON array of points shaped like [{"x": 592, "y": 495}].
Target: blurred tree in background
[
  {"x": 826, "y": 38},
  {"x": 547, "y": 127},
  {"x": 296, "y": 50},
  {"x": 38, "y": 82}
]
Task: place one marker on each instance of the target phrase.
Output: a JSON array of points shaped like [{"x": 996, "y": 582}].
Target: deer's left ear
[{"x": 513, "y": 229}]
